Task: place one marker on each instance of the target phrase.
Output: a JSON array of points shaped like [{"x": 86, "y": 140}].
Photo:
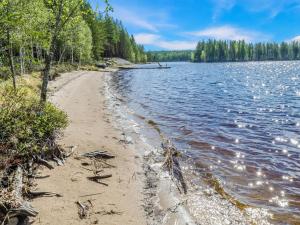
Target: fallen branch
[
  {"x": 99, "y": 177},
  {"x": 172, "y": 164},
  {"x": 98, "y": 154},
  {"x": 43, "y": 194},
  {"x": 22, "y": 208},
  {"x": 82, "y": 196},
  {"x": 83, "y": 209},
  {"x": 72, "y": 149},
  {"x": 44, "y": 162}
]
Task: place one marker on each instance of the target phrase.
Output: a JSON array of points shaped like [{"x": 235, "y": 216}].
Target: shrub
[{"x": 26, "y": 127}]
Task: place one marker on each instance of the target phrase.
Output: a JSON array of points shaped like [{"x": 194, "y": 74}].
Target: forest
[
  {"x": 36, "y": 38},
  {"x": 169, "y": 56},
  {"x": 67, "y": 31},
  {"x": 230, "y": 51},
  {"x": 237, "y": 51}
]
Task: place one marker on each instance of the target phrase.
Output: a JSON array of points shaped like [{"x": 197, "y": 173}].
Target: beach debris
[
  {"x": 109, "y": 212},
  {"x": 85, "y": 164},
  {"x": 71, "y": 152},
  {"x": 98, "y": 154},
  {"x": 89, "y": 195},
  {"x": 171, "y": 163},
  {"x": 41, "y": 177},
  {"x": 99, "y": 177},
  {"x": 126, "y": 140},
  {"x": 83, "y": 208},
  {"x": 43, "y": 194},
  {"x": 95, "y": 171},
  {"x": 16, "y": 181},
  {"x": 13, "y": 206},
  {"x": 44, "y": 162},
  {"x": 105, "y": 164}
]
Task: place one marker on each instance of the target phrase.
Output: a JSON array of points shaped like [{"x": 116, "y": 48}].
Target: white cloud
[
  {"x": 297, "y": 38},
  {"x": 229, "y": 33},
  {"x": 158, "y": 41},
  {"x": 146, "y": 39},
  {"x": 133, "y": 18}
]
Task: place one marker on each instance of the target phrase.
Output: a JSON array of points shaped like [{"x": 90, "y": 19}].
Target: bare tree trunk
[
  {"x": 46, "y": 72},
  {"x": 22, "y": 69},
  {"x": 79, "y": 60},
  {"x": 72, "y": 55},
  {"x": 11, "y": 59},
  {"x": 49, "y": 55},
  {"x": 32, "y": 56},
  {"x": 61, "y": 55}
]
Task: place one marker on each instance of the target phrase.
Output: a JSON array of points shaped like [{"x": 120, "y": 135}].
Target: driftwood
[
  {"x": 89, "y": 195},
  {"x": 172, "y": 164},
  {"x": 43, "y": 194},
  {"x": 99, "y": 177},
  {"x": 58, "y": 161},
  {"x": 98, "y": 154},
  {"x": 70, "y": 153},
  {"x": 22, "y": 208},
  {"x": 44, "y": 162},
  {"x": 83, "y": 209}
]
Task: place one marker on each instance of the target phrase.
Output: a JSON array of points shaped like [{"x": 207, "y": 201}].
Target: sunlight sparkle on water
[
  {"x": 294, "y": 141},
  {"x": 279, "y": 201}
]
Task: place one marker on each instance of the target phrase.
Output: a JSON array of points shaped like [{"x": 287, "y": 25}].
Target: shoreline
[{"x": 139, "y": 191}]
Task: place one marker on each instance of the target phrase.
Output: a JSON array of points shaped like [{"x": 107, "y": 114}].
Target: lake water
[{"x": 239, "y": 121}]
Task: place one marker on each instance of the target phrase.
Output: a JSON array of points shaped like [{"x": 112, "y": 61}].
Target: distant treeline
[
  {"x": 169, "y": 56},
  {"x": 231, "y": 51}
]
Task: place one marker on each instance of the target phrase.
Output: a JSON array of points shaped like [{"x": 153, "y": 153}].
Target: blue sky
[{"x": 179, "y": 24}]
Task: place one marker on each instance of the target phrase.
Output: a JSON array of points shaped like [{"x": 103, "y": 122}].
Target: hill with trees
[
  {"x": 239, "y": 51},
  {"x": 169, "y": 56}
]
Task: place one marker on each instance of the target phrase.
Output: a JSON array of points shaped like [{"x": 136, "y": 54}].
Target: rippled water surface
[{"x": 241, "y": 121}]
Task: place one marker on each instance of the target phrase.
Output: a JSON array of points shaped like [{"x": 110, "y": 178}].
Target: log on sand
[{"x": 23, "y": 209}]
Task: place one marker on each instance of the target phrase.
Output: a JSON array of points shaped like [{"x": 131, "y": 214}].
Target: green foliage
[
  {"x": 169, "y": 56},
  {"x": 26, "y": 126},
  {"x": 237, "y": 51},
  {"x": 82, "y": 35},
  {"x": 230, "y": 51}
]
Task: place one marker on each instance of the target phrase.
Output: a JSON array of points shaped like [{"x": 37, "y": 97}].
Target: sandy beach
[
  {"x": 80, "y": 95},
  {"x": 140, "y": 191}
]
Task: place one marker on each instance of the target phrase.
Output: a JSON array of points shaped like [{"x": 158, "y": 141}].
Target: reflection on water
[{"x": 242, "y": 120}]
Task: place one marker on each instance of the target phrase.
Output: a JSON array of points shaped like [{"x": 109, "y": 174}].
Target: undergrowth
[{"x": 27, "y": 127}]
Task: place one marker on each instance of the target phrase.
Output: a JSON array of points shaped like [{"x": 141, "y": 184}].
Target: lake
[{"x": 239, "y": 121}]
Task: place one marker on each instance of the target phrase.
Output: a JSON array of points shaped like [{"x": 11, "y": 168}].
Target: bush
[
  {"x": 26, "y": 127},
  {"x": 4, "y": 72}
]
